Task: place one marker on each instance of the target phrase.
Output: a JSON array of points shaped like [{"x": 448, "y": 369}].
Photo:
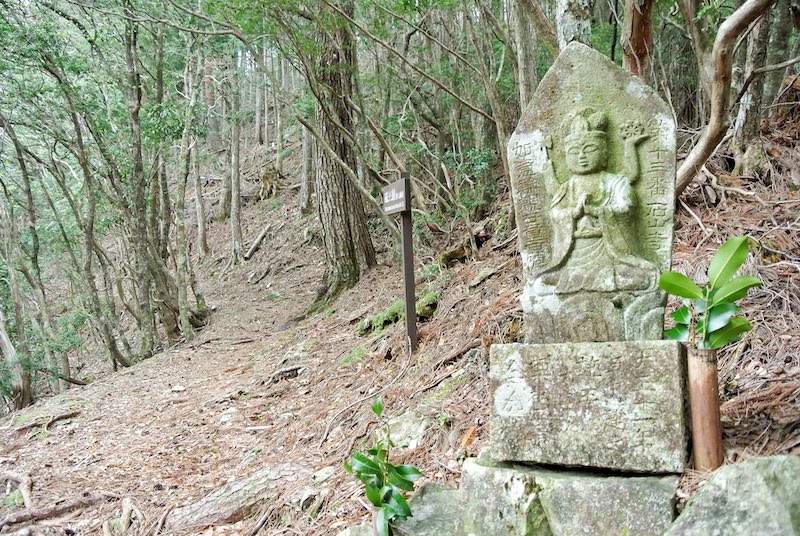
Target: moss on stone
[
  {"x": 445, "y": 389},
  {"x": 42, "y": 415},
  {"x": 427, "y": 304},
  {"x": 425, "y": 307},
  {"x": 383, "y": 319}
]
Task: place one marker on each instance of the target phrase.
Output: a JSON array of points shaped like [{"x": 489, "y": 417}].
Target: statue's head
[{"x": 586, "y": 144}]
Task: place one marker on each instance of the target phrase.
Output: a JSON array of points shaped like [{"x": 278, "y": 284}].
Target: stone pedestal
[
  {"x": 502, "y": 499},
  {"x": 615, "y": 405}
]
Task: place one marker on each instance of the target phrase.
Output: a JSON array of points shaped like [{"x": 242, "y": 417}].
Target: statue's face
[{"x": 586, "y": 155}]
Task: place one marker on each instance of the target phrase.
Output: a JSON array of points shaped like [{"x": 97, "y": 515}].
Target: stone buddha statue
[{"x": 592, "y": 212}]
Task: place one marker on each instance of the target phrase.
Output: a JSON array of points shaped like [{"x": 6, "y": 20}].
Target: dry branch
[
  {"x": 758, "y": 72},
  {"x": 257, "y": 242},
  {"x": 792, "y": 82},
  {"x": 234, "y": 501},
  {"x": 544, "y": 28},
  {"x": 722, "y": 58},
  {"x": 285, "y": 373},
  {"x": 129, "y": 510},
  {"x": 38, "y": 514}
]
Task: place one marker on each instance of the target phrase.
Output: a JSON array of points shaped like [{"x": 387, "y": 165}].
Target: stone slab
[
  {"x": 615, "y": 405},
  {"x": 503, "y": 499}
]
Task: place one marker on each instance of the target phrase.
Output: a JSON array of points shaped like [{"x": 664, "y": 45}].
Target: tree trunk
[
  {"x": 525, "y": 38},
  {"x": 21, "y": 379},
  {"x": 193, "y": 82},
  {"x": 86, "y": 221},
  {"x": 747, "y": 148},
  {"x": 165, "y": 205},
  {"x": 21, "y": 392},
  {"x": 225, "y": 202},
  {"x": 279, "y": 126},
  {"x": 780, "y": 34},
  {"x": 236, "y": 195},
  {"x": 17, "y": 301},
  {"x": 502, "y": 130},
  {"x": 200, "y": 206},
  {"x": 637, "y": 37},
  {"x": 213, "y": 123},
  {"x": 139, "y": 233},
  {"x": 544, "y": 29},
  {"x": 307, "y": 184},
  {"x": 34, "y": 275},
  {"x": 259, "y": 110},
  {"x": 699, "y": 40},
  {"x": 234, "y": 501},
  {"x": 344, "y": 224},
  {"x": 266, "y": 97},
  {"x": 721, "y": 54},
  {"x": 574, "y": 21}
]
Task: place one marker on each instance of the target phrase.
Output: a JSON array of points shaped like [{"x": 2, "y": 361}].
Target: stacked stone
[{"x": 588, "y": 427}]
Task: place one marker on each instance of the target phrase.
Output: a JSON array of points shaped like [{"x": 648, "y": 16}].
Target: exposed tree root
[
  {"x": 38, "y": 422},
  {"x": 25, "y": 485},
  {"x": 233, "y": 501}
]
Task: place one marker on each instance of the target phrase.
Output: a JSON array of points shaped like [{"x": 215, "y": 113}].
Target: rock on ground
[
  {"x": 758, "y": 496},
  {"x": 436, "y": 510}
]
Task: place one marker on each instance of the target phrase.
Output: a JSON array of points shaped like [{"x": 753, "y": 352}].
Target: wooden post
[
  {"x": 408, "y": 269},
  {"x": 704, "y": 409},
  {"x": 397, "y": 199}
]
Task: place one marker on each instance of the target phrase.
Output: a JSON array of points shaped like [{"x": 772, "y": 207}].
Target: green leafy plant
[
  {"x": 384, "y": 483},
  {"x": 708, "y": 317}
]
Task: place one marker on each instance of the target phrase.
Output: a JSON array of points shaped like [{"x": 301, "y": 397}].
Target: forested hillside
[{"x": 199, "y": 282}]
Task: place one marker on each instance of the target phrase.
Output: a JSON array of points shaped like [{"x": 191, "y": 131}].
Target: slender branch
[
  {"x": 408, "y": 62},
  {"x": 499, "y": 32},
  {"x": 431, "y": 37},
  {"x": 722, "y": 57},
  {"x": 762, "y": 70}
]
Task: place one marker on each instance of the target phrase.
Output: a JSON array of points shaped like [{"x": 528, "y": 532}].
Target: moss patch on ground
[{"x": 425, "y": 305}]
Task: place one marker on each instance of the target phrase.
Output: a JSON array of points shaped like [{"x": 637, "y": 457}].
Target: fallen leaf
[{"x": 469, "y": 437}]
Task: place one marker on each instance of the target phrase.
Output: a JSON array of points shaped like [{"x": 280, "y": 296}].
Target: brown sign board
[{"x": 397, "y": 196}]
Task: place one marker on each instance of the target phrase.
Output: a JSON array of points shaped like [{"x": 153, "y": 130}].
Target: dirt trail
[{"x": 178, "y": 424}]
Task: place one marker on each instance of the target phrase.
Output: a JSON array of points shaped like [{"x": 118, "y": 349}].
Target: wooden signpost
[{"x": 397, "y": 198}]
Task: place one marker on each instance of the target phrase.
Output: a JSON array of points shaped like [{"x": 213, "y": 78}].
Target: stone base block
[
  {"x": 499, "y": 500},
  {"x": 436, "y": 511},
  {"x": 502, "y": 499},
  {"x": 615, "y": 405}
]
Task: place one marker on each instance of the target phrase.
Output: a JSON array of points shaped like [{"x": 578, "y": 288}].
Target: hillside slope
[{"x": 260, "y": 391}]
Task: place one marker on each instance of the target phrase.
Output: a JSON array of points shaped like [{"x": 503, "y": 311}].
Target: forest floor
[{"x": 257, "y": 389}]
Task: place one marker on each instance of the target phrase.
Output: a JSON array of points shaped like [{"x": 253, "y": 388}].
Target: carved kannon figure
[{"x": 593, "y": 246}]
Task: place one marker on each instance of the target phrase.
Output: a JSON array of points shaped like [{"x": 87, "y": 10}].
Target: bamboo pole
[{"x": 704, "y": 409}]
